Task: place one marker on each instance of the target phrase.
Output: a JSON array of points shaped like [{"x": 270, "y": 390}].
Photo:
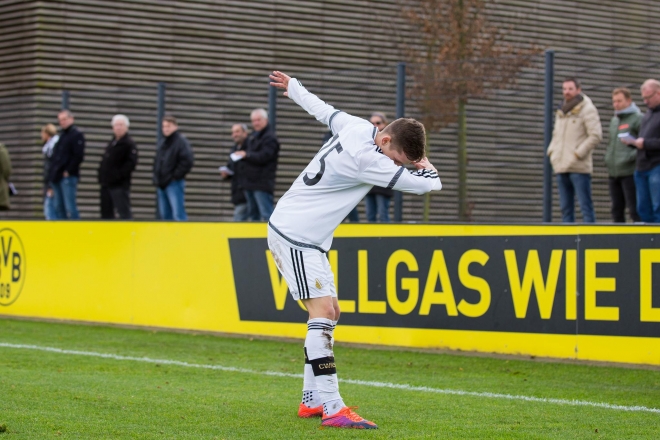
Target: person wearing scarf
[{"x": 576, "y": 134}]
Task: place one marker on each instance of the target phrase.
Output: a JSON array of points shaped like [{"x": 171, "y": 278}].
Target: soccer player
[{"x": 300, "y": 230}]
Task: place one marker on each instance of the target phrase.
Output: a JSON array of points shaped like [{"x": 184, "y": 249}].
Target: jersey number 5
[{"x": 333, "y": 144}]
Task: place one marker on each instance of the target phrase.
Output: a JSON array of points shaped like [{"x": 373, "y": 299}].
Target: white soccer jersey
[{"x": 339, "y": 176}]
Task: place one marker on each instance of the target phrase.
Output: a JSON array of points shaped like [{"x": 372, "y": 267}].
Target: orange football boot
[{"x": 306, "y": 412}]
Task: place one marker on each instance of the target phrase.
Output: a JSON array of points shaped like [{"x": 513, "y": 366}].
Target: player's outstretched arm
[{"x": 311, "y": 103}]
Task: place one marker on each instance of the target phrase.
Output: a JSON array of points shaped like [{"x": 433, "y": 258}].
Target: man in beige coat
[{"x": 577, "y": 132}]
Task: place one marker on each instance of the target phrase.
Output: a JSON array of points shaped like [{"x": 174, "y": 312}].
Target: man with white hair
[
  {"x": 647, "y": 170},
  {"x": 257, "y": 165},
  {"x": 117, "y": 164}
]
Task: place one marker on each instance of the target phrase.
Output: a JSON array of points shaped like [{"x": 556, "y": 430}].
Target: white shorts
[{"x": 307, "y": 271}]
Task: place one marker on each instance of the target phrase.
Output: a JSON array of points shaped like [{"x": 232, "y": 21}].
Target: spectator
[
  {"x": 5, "y": 172},
  {"x": 50, "y": 137},
  {"x": 620, "y": 158},
  {"x": 64, "y": 172},
  {"x": 117, "y": 164},
  {"x": 354, "y": 215},
  {"x": 647, "y": 173},
  {"x": 257, "y": 166},
  {"x": 174, "y": 159},
  {"x": 378, "y": 198},
  {"x": 577, "y": 132},
  {"x": 239, "y": 133}
]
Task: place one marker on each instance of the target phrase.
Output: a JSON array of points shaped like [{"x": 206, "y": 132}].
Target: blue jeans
[
  {"x": 49, "y": 208},
  {"x": 378, "y": 204},
  {"x": 241, "y": 212},
  {"x": 260, "y": 204},
  {"x": 648, "y": 194},
  {"x": 171, "y": 201},
  {"x": 569, "y": 184},
  {"x": 64, "y": 198}
]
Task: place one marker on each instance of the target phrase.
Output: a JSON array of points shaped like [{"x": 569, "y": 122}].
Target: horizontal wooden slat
[{"x": 215, "y": 57}]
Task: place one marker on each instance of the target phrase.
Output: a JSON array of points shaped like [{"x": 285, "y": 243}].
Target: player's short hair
[
  {"x": 624, "y": 91},
  {"x": 169, "y": 118},
  {"x": 121, "y": 118},
  {"x": 409, "y": 136},
  {"x": 574, "y": 80}
]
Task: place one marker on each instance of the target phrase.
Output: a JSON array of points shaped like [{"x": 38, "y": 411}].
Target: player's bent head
[{"x": 408, "y": 136}]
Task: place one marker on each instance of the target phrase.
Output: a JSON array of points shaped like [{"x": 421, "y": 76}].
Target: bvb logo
[{"x": 12, "y": 266}]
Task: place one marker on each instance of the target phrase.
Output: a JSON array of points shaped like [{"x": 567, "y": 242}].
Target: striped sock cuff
[{"x": 320, "y": 324}]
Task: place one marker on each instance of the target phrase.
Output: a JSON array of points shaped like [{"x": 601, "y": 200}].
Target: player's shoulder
[{"x": 360, "y": 133}]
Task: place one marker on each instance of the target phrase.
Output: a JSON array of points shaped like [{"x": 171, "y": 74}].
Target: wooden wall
[{"x": 215, "y": 57}]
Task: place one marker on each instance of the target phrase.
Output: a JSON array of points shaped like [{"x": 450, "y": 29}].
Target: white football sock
[
  {"x": 318, "y": 346},
  {"x": 311, "y": 398},
  {"x": 332, "y": 407},
  {"x": 334, "y": 325},
  {"x": 310, "y": 392}
]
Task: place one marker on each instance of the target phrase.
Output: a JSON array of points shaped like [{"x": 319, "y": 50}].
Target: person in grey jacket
[
  {"x": 173, "y": 161},
  {"x": 620, "y": 158}
]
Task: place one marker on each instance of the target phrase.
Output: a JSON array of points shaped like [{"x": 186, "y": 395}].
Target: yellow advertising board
[{"x": 580, "y": 292}]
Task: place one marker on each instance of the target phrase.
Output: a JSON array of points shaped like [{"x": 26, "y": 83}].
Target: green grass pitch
[{"x": 64, "y": 395}]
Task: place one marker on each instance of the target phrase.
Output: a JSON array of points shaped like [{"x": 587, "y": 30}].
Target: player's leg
[
  {"x": 288, "y": 261},
  {"x": 311, "y": 405},
  {"x": 319, "y": 347}
]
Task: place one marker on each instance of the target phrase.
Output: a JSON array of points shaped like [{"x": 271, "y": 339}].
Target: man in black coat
[
  {"x": 257, "y": 165},
  {"x": 117, "y": 165},
  {"x": 64, "y": 171},
  {"x": 239, "y": 132},
  {"x": 174, "y": 159}
]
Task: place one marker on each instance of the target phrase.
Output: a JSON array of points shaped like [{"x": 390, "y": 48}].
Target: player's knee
[
  {"x": 329, "y": 312},
  {"x": 320, "y": 308}
]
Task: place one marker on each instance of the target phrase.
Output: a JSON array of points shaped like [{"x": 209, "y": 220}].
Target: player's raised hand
[
  {"x": 424, "y": 164},
  {"x": 280, "y": 80}
]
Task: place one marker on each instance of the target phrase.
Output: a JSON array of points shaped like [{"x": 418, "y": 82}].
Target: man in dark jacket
[
  {"x": 257, "y": 165},
  {"x": 620, "y": 158},
  {"x": 239, "y": 132},
  {"x": 117, "y": 165},
  {"x": 64, "y": 171},
  {"x": 174, "y": 159},
  {"x": 647, "y": 173}
]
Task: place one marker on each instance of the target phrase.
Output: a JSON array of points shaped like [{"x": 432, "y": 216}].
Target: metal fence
[{"x": 505, "y": 133}]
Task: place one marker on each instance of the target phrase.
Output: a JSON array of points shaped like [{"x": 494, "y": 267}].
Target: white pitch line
[{"x": 390, "y": 385}]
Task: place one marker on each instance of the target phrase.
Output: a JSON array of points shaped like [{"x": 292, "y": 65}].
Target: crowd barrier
[{"x": 578, "y": 292}]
